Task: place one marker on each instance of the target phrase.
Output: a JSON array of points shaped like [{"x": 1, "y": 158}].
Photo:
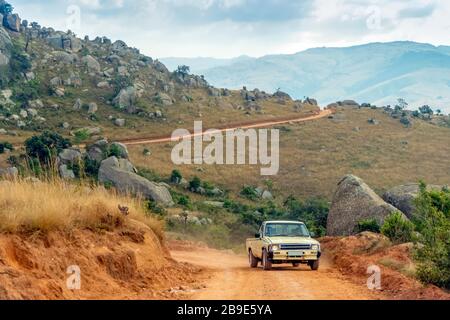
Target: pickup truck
[{"x": 283, "y": 242}]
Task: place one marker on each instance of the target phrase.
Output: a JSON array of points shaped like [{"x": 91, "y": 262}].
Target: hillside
[
  {"x": 377, "y": 73},
  {"x": 54, "y": 80},
  {"x": 316, "y": 155}
]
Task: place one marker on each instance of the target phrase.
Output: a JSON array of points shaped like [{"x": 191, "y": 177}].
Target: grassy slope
[{"x": 315, "y": 155}]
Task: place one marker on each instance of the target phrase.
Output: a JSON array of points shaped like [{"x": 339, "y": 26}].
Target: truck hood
[{"x": 291, "y": 240}]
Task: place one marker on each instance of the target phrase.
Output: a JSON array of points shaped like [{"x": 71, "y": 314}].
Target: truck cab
[{"x": 283, "y": 242}]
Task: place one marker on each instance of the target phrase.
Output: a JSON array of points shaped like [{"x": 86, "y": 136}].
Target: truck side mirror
[{"x": 257, "y": 236}]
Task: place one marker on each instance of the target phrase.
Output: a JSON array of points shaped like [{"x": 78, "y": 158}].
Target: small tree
[
  {"x": 402, "y": 104},
  {"x": 195, "y": 184},
  {"x": 5, "y": 8},
  {"x": 183, "y": 70},
  {"x": 426, "y": 109}
]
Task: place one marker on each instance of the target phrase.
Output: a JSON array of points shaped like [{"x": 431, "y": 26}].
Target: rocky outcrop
[
  {"x": 64, "y": 42},
  {"x": 122, "y": 175},
  {"x": 403, "y": 197},
  {"x": 164, "y": 99},
  {"x": 353, "y": 202},
  {"x": 12, "y": 22}
]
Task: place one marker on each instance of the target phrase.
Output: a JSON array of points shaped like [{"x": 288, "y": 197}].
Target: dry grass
[
  {"x": 56, "y": 205},
  {"x": 316, "y": 155}
]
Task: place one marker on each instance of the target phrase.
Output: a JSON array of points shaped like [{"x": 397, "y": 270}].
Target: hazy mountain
[{"x": 378, "y": 73}]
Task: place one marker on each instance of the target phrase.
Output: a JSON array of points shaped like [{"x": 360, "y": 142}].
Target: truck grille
[{"x": 295, "y": 247}]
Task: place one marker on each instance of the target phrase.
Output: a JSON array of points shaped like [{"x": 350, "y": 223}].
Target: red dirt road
[
  {"x": 230, "y": 278},
  {"x": 263, "y": 124}
]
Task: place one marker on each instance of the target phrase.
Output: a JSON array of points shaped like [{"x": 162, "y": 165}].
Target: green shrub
[
  {"x": 176, "y": 176},
  {"x": 46, "y": 146},
  {"x": 91, "y": 168},
  {"x": 81, "y": 136},
  {"x": 5, "y": 145},
  {"x": 371, "y": 225},
  {"x": 432, "y": 219},
  {"x": 249, "y": 192},
  {"x": 398, "y": 229},
  {"x": 114, "y": 151},
  {"x": 313, "y": 212},
  {"x": 195, "y": 183},
  {"x": 27, "y": 91}
]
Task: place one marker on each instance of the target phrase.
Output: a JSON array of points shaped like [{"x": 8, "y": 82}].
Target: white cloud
[{"x": 225, "y": 28}]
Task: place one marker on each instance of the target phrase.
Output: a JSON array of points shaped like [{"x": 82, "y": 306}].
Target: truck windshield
[{"x": 286, "y": 230}]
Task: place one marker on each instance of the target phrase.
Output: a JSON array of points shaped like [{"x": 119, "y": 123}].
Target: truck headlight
[
  {"x": 275, "y": 247},
  {"x": 315, "y": 247}
]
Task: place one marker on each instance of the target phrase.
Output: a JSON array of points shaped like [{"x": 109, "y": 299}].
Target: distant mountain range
[{"x": 378, "y": 73}]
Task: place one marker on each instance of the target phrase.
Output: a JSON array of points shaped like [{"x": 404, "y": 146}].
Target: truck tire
[
  {"x": 314, "y": 265},
  {"x": 252, "y": 260},
  {"x": 296, "y": 265},
  {"x": 267, "y": 265}
]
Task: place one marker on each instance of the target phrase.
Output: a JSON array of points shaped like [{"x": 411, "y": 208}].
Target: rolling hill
[{"x": 377, "y": 73}]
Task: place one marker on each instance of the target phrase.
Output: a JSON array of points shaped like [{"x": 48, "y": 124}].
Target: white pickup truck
[{"x": 283, "y": 242}]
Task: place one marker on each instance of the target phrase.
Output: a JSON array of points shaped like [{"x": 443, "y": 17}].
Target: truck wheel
[
  {"x": 267, "y": 265},
  {"x": 252, "y": 260},
  {"x": 296, "y": 265},
  {"x": 314, "y": 265}
]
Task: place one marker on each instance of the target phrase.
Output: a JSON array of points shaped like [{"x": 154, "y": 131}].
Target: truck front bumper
[{"x": 300, "y": 256}]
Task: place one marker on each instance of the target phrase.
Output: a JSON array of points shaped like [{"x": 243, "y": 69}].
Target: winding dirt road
[
  {"x": 230, "y": 278},
  {"x": 253, "y": 125}
]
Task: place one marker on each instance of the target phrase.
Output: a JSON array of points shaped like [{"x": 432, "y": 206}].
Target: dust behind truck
[{"x": 283, "y": 242}]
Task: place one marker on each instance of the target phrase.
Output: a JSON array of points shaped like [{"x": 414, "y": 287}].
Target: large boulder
[
  {"x": 126, "y": 99},
  {"x": 91, "y": 63},
  {"x": 70, "y": 156},
  {"x": 12, "y": 22},
  {"x": 403, "y": 197},
  {"x": 353, "y": 202},
  {"x": 122, "y": 175}
]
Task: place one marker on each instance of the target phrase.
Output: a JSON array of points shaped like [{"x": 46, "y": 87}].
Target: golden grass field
[
  {"x": 316, "y": 155},
  {"x": 63, "y": 207}
]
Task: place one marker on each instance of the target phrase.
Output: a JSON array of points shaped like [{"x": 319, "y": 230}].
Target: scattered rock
[
  {"x": 93, "y": 108},
  {"x": 119, "y": 122},
  {"x": 9, "y": 173},
  {"x": 78, "y": 104},
  {"x": 70, "y": 156},
  {"x": 164, "y": 99},
  {"x": 65, "y": 173}
]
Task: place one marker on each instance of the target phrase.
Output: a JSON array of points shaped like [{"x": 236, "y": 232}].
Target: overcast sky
[{"x": 229, "y": 28}]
